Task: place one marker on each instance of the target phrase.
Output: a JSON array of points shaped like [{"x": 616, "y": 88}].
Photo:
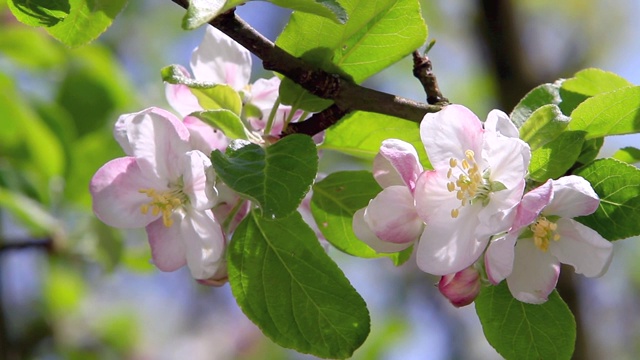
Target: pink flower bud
[{"x": 462, "y": 287}]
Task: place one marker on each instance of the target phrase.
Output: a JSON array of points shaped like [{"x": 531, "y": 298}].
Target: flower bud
[
  {"x": 462, "y": 287},
  {"x": 218, "y": 279}
]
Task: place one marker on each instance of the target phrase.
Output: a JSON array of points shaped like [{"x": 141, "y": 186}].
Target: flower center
[
  {"x": 471, "y": 185},
  {"x": 543, "y": 232},
  {"x": 163, "y": 202}
]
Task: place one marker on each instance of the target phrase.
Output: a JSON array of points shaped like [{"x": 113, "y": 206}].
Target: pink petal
[
  {"x": 221, "y": 60},
  {"x": 450, "y": 245},
  {"x": 264, "y": 93},
  {"x": 532, "y": 205},
  {"x": 572, "y": 196},
  {"x": 204, "y": 242},
  {"x": 433, "y": 200},
  {"x": 116, "y": 197},
  {"x": 581, "y": 247},
  {"x": 364, "y": 233},
  {"x": 167, "y": 247},
  {"x": 392, "y": 216},
  {"x": 498, "y": 258},
  {"x": 204, "y": 137},
  {"x": 449, "y": 133},
  {"x": 499, "y": 123},
  {"x": 198, "y": 180},
  {"x": 403, "y": 159},
  {"x": 535, "y": 273},
  {"x": 181, "y": 98},
  {"x": 158, "y": 141}
]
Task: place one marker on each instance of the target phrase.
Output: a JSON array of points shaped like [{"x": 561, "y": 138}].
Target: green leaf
[
  {"x": 40, "y": 12},
  {"x": 335, "y": 199},
  {"x": 618, "y": 186},
  {"x": 277, "y": 177},
  {"x": 211, "y": 96},
  {"x": 225, "y": 120},
  {"x": 543, "y": 125},
  {"x": 377, "y": 35},
  {"x": 613, "y": 113},
  {"x": 554, "y": 158},
  {"x": 628, "y": 154},
  {"x": 524, "y": 331},
  {"x": 28, "y": 48},
  {"x": 542, "y": 95},
  {"x": 86, "y": 21},
  {"x": 348, "y": 137},
  {"x": 590, "y": 150},
  {"x": 288, "y": 286},
  {"x": 201, "y": 12},
  {"x": 588, "y": 83},
  {"x": 329, "y": 9},
  {"x": 30, "y": 213}
]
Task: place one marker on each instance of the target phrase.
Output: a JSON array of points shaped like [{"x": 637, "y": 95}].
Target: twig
[
  {"x": 346, "y": 95},
  {"x": 317, "y": 122},
  {"x": 423, "y": 70},
  {"x": 46, "y": 244}
]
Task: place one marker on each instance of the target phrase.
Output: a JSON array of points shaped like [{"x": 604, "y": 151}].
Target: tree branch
[
  {"x": 423, "y": 71},
  {"x": 346, "y": 95},
  {"x": 46, "y": 244}
]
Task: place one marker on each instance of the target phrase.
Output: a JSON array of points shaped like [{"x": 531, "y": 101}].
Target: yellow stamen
[
  {"x": 544, "y": 232},
  {"x": 164, "y": 203}
]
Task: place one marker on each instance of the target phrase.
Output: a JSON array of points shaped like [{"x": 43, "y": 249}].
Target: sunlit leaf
[
  {"x": 521, "y": 331},
  {"x": 554, "y": 158},
  {"x": 618, "y": 185},
  {"x": 288, "y": 286},
  {"x": 329, "y": 9},
  {"x": 543, "y": 125},
  {"x": 587, "y": 83},
  {"x": 544, "y": 94},
  {"x": 40, "y": 12},
  {"x": 225, "y": 120},
  {"x": 628, "y": 154}
]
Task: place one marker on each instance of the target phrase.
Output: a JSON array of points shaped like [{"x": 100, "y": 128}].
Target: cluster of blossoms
[
  {"x": 469, "y": 215},
  {"x": 166, "y": 182}
]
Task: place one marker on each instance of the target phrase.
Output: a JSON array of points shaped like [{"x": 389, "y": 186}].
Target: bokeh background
[{"x": 72, "y": 288}]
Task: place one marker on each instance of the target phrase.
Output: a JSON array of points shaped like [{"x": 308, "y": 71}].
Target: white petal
[
  {"x": 117, "y": 200},
  {"x": 158, "y": 140},
  {"x": 221, "y": 60},
  {"x": 433, "y": 200},
  {"x": 508, "y": 159},
  {"x": 450, "y": 245},
  {"x": 572, "y": 196},
  {"x": 264, "y": 93},
  {"x": 499, "y": 257},
  {"x": 198, "y": 180},
  {"x": 205, "y": 137},
  {"x": 499, "y": 123},
  {"x": 205, "y": 243},
  {"x": 364, "y": 233},
  {"x": 582, "y": 247},
  {"x": 449, "y": 133},
  {"x": 403, "y": 159},
  {"x": 535, "y": 273},
  {"x": 532, "y": 205},
  {"x": 180, "y": 96},
  {"x": 392, "y": 216},
  {"x": 167, "y": 247}
]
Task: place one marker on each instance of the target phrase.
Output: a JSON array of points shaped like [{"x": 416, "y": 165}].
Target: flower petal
[
  {"x": 499, "y": 123},
  {"x": 205, "y": 137},
  {"x": 532, "y": 205},
  {"x": 450, "y": 245},
  {"x": 392, "y": 216},
  {"x": 433, "y": 200},
  {"x": 364, "y": 233},
  {"x": 264, "y": 93},
  {"x": 449, "y": 133},
  {"x": 167, "y": 248},
  {"x": 116, "y": 197},
  {"x": 401, "y": 159},
  {"x": 535, "y": 273},
  {"x": 204, "y": 242},
  {"x": 572, "y": 196},
  {"x": 221, "y": 60},
  {"x": 198, "y": 180},
  {"x": 508, "y": 159},
  {"x": 581, "y": 247},
  {"x": 180, "y": 96},
  {"x": 499, "y": 257}
]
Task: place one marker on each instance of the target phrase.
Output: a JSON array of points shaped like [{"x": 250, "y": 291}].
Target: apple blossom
[
  {"x": 390, "y": 222},
  {"x": 166, "y": 187},
  {"x": 462, "y": 287},
  {"x": 478, "y": 179},
  {"x": 544, "y": 235}
]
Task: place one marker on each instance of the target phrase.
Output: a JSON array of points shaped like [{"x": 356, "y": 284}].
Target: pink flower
[
  {"x": 462, "y": 287},
  {"x": 164, "y": 186},
  {"x": 478, "y": 179},
  {"x": 390, "y": 222},
  {"x": 544, "y": 235}
]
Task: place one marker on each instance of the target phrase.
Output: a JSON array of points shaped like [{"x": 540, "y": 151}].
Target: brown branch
[
  {"x": 317, "y": 122},
  {"x": 46, "y": 244},
  {"x": 346, "y": 95},
  {"x": 423, "y": 71}
]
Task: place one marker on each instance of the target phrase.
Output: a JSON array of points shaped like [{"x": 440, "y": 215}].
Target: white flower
[
  {"x": 544, "y": 235},
  {"x": 478, "y": 179},
  {"x": 166, "y": 187}
]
